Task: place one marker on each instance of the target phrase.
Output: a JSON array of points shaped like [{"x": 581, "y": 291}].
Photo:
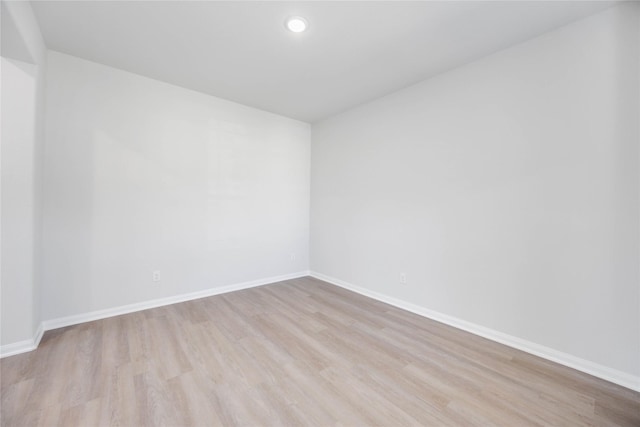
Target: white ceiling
[{"x": 353, "y": 52}]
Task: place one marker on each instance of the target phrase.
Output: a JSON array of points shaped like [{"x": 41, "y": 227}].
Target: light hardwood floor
[{"x": 295, "y": 353}]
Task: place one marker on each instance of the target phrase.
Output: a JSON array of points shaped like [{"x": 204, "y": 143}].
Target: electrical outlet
[
  {"x": 403, "y": 278},
  {"x": 293, "y": 257},
  {"x": 156, "y": 276}
]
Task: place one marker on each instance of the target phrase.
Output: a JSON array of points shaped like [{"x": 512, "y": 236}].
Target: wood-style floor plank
[{"x": 300, "y": 352}]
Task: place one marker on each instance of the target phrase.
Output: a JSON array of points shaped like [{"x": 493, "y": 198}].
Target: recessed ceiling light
[{"x": 296, "y": 24}]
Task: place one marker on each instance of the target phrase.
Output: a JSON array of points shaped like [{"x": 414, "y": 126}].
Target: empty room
[{"x": 322, "y": 213}]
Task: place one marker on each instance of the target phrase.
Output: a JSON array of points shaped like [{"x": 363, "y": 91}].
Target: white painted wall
[
  {"x": 507, "y": 190},
  {"x": 22, "y": 103},
  {"x": 141, "y": 175},
  {"x": 18, "y": 200}
]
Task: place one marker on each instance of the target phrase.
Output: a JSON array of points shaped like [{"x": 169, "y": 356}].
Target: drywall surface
[
  {"x": 505, "y": 190},
  {"x": 18, "y": 200},
  {"x": 22, "y": 122},
  {"x": 142, "y": 176}
]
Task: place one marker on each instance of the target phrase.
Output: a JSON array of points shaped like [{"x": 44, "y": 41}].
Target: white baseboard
[
  {"x": 38, "y": 335},
  {"x": 22, "y": 346},
  {"x": 615, "y": 376},
  {"x": 47, "y": 325},
  {"x": 17, "y": 348},
  {"x": 130, "y": 308}
]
